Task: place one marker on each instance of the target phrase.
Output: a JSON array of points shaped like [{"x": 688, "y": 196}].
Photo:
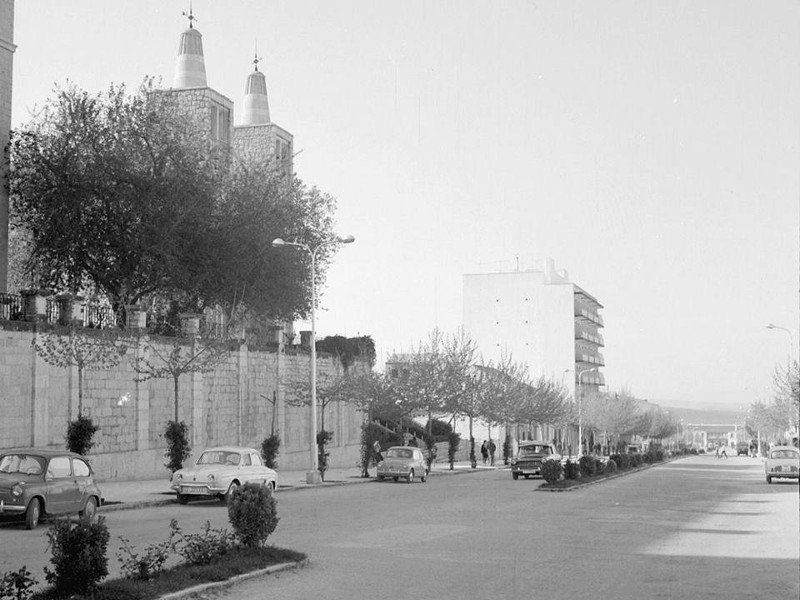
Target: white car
[
  {"x": 782, "y": 461},
  {"x": 219, "y": 471}
]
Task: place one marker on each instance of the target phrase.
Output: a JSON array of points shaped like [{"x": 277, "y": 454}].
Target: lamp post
[
  {"x": 580, "y": 408},
  {"x": 313, "y": 475},
  {"x": 791, "y": 345}
]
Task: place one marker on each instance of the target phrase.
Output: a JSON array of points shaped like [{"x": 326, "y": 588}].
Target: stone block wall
[{"x": 230, "y": 405}]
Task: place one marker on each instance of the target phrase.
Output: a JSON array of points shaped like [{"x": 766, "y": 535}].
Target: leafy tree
[{"x": 128, "y": 196}]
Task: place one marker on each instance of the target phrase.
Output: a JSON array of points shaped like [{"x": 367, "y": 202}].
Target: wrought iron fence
[{"x": 11, "y": 307}]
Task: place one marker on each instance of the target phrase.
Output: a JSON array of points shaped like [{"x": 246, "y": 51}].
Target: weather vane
[
  {"x": 190, "y": 15},
  {"x": 256, "y": 58}
]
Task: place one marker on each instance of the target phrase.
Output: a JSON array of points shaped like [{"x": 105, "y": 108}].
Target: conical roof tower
[
  {"x": 256, "y": 104},
  {"x": 190, "y": 69}
]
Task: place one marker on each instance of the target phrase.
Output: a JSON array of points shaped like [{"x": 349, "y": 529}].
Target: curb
[{"x": 204, "y": 587}]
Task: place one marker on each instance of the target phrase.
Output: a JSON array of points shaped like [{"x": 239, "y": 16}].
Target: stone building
[{"x": 257, "y": 138}]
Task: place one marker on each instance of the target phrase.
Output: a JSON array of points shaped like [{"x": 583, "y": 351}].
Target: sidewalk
[{"x": 122, "y": 495}]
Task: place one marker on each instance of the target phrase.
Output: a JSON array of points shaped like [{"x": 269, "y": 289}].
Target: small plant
[
  {"x": 17, "y": 585},
  {"x": 270, "y": 448},
  {"x": 587, "y": 465},
  {"x": 178, "y": 449},
  {"x": 202, "y": 548},
  {"x": 453, "y": 441},
  {"x": 323, "y": 437},
  {"x": 253, "y": 514},
  {"x": 572, "y": 470},
  {"x": 150, "y": 563},
  {"x": 610, "y": 466},
  {"x": 78, "y": 555},
  {"x": 552, "y": 471},
  {"x": 79, "y": 435}
]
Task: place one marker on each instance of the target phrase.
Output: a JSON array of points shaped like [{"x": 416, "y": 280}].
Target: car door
[{"x": 60, "y": 485}]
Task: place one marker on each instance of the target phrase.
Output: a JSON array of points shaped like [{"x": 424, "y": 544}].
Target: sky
[{"x": 651, "y": 148}]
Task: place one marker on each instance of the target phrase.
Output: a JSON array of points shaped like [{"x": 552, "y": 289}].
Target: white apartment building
[{"x": 541, "y": 319}]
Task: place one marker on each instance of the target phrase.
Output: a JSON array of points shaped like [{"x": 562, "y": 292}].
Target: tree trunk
[
  {"x": 175, "y": 382},
  {"x": 80, "y": 392}
]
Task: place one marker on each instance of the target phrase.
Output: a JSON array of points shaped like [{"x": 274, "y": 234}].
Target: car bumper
[
  {"x": 783, "y": 474},
  {"x": 393, "y": 472},
  {"x": 193, "y": 489},
  {"x": 11, "y": 509}
]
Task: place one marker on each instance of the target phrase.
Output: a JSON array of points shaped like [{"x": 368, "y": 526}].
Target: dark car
[
  {"x": 36, "y": 483},
  {"x": 530, "y": 456},
  {"x": 742, "y": 448}
]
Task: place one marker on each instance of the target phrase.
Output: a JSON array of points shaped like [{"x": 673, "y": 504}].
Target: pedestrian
[
  {"x": 492, "y": 450},
  {"x": 723, "y": 453},
  {"x": 717, "y": 450},
  {"x": 484, "y": 452},
  {"x": 376, "y": 450}
]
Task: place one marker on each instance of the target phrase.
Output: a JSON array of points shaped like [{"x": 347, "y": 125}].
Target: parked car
[
  {"x": 530, "y": 456},
  {"x": 403, "y": 461},
  {"x": 35, "y": 483},
  {"x": 219, "y": 471},
  {"x": 782, "y": 461}
]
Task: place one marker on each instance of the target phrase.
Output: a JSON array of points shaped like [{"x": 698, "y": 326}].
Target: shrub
[
  {"x": 79, "y": 555},
  {"x": 506, "y": 449},
  {"x": 623, "y": 460},
  {"x": 552, "y": 470},
  {"x": 636, "y": 460},
  {"x": 610, "y": 466},
  {"x": 253, "y": 515},
  {"x": 149, "y": 564},
  {"x": 572, "y": 470},
  {"x": 79, "y": 435},
  {"x": 202, "y": 548},
  {"x": 17, "y": 585},
  {"x": 587, "y": 465},
  {"x": 323, "y": 437},
  {"x": 430, "y": 444},
  {"x": 654, "y": 455},
  {"x": 453, "y": 442},
  {"x": 598, "y": 465},
  {"x": 270, "y": 448},
  {"x": 178, "y": 449}
]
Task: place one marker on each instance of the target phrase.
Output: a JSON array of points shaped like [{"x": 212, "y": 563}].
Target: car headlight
[
  {"x": 16, "y": 491},
  {"x": 211, "y": 477},
  {"x": 177, "y": 476}
]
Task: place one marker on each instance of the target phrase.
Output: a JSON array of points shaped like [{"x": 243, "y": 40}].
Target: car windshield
[
  {"x": 219, "y": 457},
  {"x": 784, "y": 454},
  {"x": 400, "y": 453},
  {"x": 535, "y": 449},
  {"x": 22, "y": 463}
]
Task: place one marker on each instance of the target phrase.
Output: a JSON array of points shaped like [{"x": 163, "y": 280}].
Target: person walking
[
  {"x": 492, "y": 450},
  {"x": 376, "y": 449},
  {"x": 723, "y": 453},
  {"x": 484, "y": 452}
]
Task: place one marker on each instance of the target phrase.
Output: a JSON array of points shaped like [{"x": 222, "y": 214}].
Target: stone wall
[{"x": 230, "y": 405}]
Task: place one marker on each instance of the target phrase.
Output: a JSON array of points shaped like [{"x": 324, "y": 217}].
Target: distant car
[
  {"x": 35, "y": 483},
  {"x": 407, "y": 462},
  {"x": 742, "y": 448},
  {"x": 219, "y": 471},
  {"x": 782, "y": 461},
  {"x": 530, "y": 456}
]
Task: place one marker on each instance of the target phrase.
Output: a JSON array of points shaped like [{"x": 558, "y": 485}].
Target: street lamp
[
  {"x": 791, "y": 344},
  {"x": 313, "y": 476},
  {"x": 580, "y": 402}
]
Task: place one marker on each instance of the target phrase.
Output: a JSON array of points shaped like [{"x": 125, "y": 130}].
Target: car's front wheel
[
  {"x": 89, "y": 511},
  {"x": 514, "y": 476},
  {"x": 33, "y": 513},
  {"x": 183, "y": 498},
  {"x": 769, "y": 479},
  {"x": 227, "y": 496}
]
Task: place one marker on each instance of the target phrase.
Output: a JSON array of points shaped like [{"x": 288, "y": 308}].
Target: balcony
[
  {"x": 588, "y": 316},
  {"x": 590, "y": 359},
  {"x": 589, "y": 337}
]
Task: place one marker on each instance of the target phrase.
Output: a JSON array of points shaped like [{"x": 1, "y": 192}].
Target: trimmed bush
[
  {"x": 623, "y": 460},
  {"x": 79, "y": 435},
  {"x": 598, "y": 465},
  {"x": 552, "y": 470},
  {"x": 178, "y": 449},
  {"x": 587, "y": 465},
  {"x": 270, "y": 448},
  {"x": 253, "y": 514},
  {"x": 453, "y": 442},
  {"x": 610, "y": 466},
  {"x": 636, "y": 460},
  {"x": 79, "y": 555},
  {"x": 572, "y": 470}
]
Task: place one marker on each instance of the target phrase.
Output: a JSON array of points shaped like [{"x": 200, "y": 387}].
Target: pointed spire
[
  {"x": 190, "y": 69},
  {"x": 256, "y": 104}
]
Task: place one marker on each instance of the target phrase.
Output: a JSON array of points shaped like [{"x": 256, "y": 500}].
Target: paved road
[{"x": 696, "y": 528}]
